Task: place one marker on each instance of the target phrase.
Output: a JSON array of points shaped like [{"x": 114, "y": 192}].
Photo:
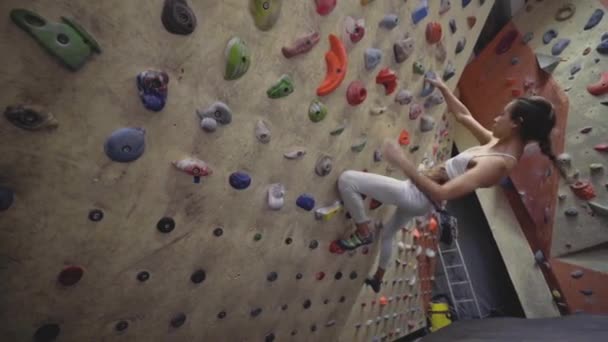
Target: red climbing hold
[
  {"x": 583, "y": 189},
  {"x": 600, "y": 87},
  {"x": 433, "y": 32},
  {"x": 335, "y": 248},
  {"x": 404, "y": 138},
  {"x": 70, "y": 275},
  {"x": 388, "y": 79},
  {"x": 356, "y": 93},
  {"x": 601, "y": 147},
  {"x": 324, "y": 7},
  {"x": 383, "y": 301}
]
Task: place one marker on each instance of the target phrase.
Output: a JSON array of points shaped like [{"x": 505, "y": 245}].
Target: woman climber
[{"x": 523, "y": 120}]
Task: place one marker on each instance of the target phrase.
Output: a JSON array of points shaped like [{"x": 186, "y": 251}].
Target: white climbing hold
[
  {"x": 295, "y": 154},
  {"x": 276, "y": 196},
  {"x": 401, "y": 246},
  {"x": 193, "y": 166},
  {"x": 262, "y": 132},
  {"x": 378, "y": 110},
  {"x": 430, "y": 253},
  {"x": 404, "y": 97},
  {"x": 209, "y": 124},
  {"x": 418, "y": 250}
]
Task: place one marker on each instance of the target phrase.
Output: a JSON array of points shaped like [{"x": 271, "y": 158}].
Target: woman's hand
[{"x": 438, "y": 83}]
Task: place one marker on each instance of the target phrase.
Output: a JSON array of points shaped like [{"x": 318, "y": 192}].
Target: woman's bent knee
[{"x": 346, "y": 180}]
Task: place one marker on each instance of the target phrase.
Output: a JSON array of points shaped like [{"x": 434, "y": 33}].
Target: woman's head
[{"x": 532, "y": 118}]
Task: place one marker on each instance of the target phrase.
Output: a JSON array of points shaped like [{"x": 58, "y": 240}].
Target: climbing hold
[
  {"x": 354, "y": 29},
  {"x": 306, "y": 202},
  {"x": 596, "y": 167},
  {"x": 178, "y": 17},
  {"x": 575, "y": 68},
  {"x": 324, "y": 7},
  {"x": 301, "y": 45},
  {"x": 471, "y": 21},
  {"x": 598, "y": 209},
  {"x": 218, "y": 111},
  {"x": 257, "y": 237},
  {"x": 418, "y": 68},
  {"x": 560, "y": 46},
  {"x": 31, "y": 118},
  {"x": 428, "y": 88},
  {"x": 433, "y": 32},
  {"x": 389, "y": 21},
  {"x": 583, "y": 189},
  {"x": 265, "y": 13},
  {"x": 549, "y": 35},
  {"x": 540, "y": 259},
  {"x": 143, "y": 276},
  {"x": 587, "y": 292},
  {"x": 373, "y": 57},
  {"x": 388, "y": 79},
  {"x": 95, "y": 215},
  {"x": 295, "y": 154},
  {"x": 317, "y": 111},
  {"x": 356, "y": 93},
  {"x": 67, "y": 41},
  {"x": 571, "y": 212},
  {"x": 314, "y": 243},
  {"x": 178, "y": 320},
  {"x": 208, "y": 124},
  {"x": 595, "y": 19},
  {"x": 403, "y": 49},
  {"x": 404, "y": 138},
  {"x": 565, "y": 12},
  {"x": 576, "y": 274},
  {"x": 338, "y": 130},
  {"x": 462, "y": 42},
  {"x": 420, "y": 12},
  {"x": 527, "y": 37},
  {"x": 198, "y": 276},
  {"x": 165, "y": 225},
  {"x": 433, "y": 100},
  {"x": 218, "y": 232},
  {"x": 121, "y": 326},
  {"x": 239, "y": 180},
  {"x": 255, "y": 312},
  {"x": 453, "y": 27},
  {"x": 449, "y": 71},
  {"x": 600, "y": 87},
  {"x": 440, "y": 52},
  {"x": 70, "y": 275},
  {"x": 430, "y": 253},
  {"x": 272, "y": 276},
  {"x": 323, "y": 166},
  {"x": 601, "y": 147},
  {"x": 586, "y": 130},
  {"x": 404, "y": 97},
  {"x": 586, "y": 51},
  {"x": 193, "y": 166},
  {"x": 426, "y": 123},
  {"x": 359, "y": 144},
  {"x": 506, "y": 42},
  {"x": 125, "y": 144},
  {"x": 47, "y": 333},
  {"x": 337, "y": 64},
  {"x": 415, "y": 111},
  {"x": 546, "y": 62},
  {"x": 282, "y": 88},
  {"x": 326, "y": 213},
  {"x": 378, "y": 111},
  {"x": 153, "y": 87},
  {"x": 602, "y": 47},
  {"x": 465, "y": 3},
  {"x": 377, "y": 155},
  {"x": 444, "y": 6},
  {"x": 237, "y": 57},
  {"x": 262, "y": 132}
]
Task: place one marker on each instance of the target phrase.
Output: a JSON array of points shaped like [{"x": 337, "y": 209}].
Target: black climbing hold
[
  {"x": 165, "y": 225},
  {"x": 313, "y": 328},
  {"x": 47, "y": 333},
  {"x": 256, "y": 312},
  {"x": 313, "y": 244},
  {"x": 221, "y": 315},
  {"x": 178, "y": 17},
  {"x": 6, "y": 198},
  {"x": 143, "y": 276},
  {"x": 178, "y": 320},
  {"x": 294, "y": 332},
  {"x": 125, "y": 144},
  {"x": 326, "y": 301},
  {"x": 299, "y": 276},
  {"x": 353, "y": 275},
  {"x": 218, "y": 232},
  {"x": 272, "y": 276},
  {"x": 307, "y": 304},
  {"x": 70, "y": 275},
  {"x": 288, "y": 241},
  {"x": 269, "y": 337},
  {"x": 284, "y": 307},
  {"x": 342, "y": 299},
  {"x": 257, "y": 237},
  {"x": 338, "y": 275},
  {"x": 198, "y": 276},
  {"x": 31, "y": 118},
  {"x": 95, "y": 215},
  {"x": 121, "y": 326},
  {"x": 587, "y": 292},
  {"x": 240, "y": 180}
]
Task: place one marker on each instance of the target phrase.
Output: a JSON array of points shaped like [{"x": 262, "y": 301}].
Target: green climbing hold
[
  {"x": 418, "y": 68},
  {"x": 257, "y": 237},
  {"x": 238, "y": 59},
  {"x": 338, "y": 130},
  {"x": 317, "y": 111},
  {"x": 282, "y": 88},
  {"x": 359, "y": 144},
  {"x": 265, "y": 13},
  {"x": 67, "y": 41}
]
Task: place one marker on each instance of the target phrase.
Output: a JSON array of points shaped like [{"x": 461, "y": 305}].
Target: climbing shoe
[
  {"x": 355, "y": 241},
  {"x": 374, "y": 283}
]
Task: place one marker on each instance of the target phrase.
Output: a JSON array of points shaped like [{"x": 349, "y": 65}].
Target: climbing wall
[
  {"x": 135, "y": 174},
  {"x": 556, "y": 49}
]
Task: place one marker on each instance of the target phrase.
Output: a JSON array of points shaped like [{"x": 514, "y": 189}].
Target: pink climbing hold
[
  {"x": 600, "y": 87},
  {"x": 356, "y": 93},
  {"x": 601, "y": 147},
  {"x": 506, "y": 42},
  {"x": 324, "y": 7},
  {"x": 415, "y": 111}
]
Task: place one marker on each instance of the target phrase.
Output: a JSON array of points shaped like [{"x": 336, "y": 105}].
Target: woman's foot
[
  {"x": 374, "y": 282},
  {"x": 355, "y": 241}
]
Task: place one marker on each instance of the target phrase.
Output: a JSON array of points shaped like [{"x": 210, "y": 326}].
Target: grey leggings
[{"x": 405, "y": 195}]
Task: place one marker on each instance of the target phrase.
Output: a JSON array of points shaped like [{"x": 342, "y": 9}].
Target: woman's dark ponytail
[
  {"x": 545, "y": 148},
  {"x": 537, "y": 119}
]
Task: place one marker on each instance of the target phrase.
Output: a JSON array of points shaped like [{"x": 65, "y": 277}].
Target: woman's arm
[{"x": 461, "y": 113}]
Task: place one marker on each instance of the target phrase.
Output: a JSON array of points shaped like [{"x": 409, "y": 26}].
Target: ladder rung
[
  {"x": 454, "y": 266},
  {"x": 449, "y": 250},
  {"x": 459, "y": 282},
  {"x": 464, "y": 301}
]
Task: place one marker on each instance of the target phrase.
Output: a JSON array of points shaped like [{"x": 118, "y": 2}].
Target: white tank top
[{"x": 457, "y": 165}]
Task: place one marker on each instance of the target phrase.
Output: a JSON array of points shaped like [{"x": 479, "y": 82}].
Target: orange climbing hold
[
  {"x": 337, "y": 64},
  {"x": 433, "y": 225},
  {"x": 383, "y": 300},
  {"x": 600, "y": 87},
  {"x": 433, "y": 32},
  {"x": 583, "y": 190},
  {"x": 404, "y": 138}
]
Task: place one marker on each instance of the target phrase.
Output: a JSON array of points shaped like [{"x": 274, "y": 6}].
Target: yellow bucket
[{"x": 440, "y": 316}]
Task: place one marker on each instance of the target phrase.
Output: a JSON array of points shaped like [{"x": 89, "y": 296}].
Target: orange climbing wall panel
[
  {"x": 571, "y": 288},
  {"x": 486, "y": 87}
]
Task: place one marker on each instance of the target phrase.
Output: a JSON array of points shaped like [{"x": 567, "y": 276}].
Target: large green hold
[
  {"x": 265, "y": 13},
  {"x": 317, "y": 111},
  {"x": 282, "y": 88},
  {"x": 67, "y": 41},
  {"x": 238, "y": 59}
]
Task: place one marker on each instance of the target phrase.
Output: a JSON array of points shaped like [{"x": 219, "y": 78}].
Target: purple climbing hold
[
  {"x": 433, "y": 100},
  {"x": 153, "y": 87},
  {"x": 240, "y": 180},
  {"x": 452, "y": 25},
  {"x": 506, "y": 42},
  {"x": 415, "y": 111},
  {"x": 428, "y": 88},
  {"x": 595, "y": 19},
  {"x": 575, "y": 68},
  {"x": 420, "y": 12},
  {"x": 306, "y": 202},
  {"x": 404, "y": 97},
  {"x": 462, "y": 42},
  {"x": 549, "y": 35},
  {"x": 587, "y": 292},
  {"x": 602, "y": 48},
  {"x": 576, "y": 274},
  {"x": 444, "y": 6},
  {"x": 604, "y": 36},
  {"x": 125, "y": 144},
  {"x": 377, "y": 155},
  {"x": 6, "y": 198},
  {"x": 560, "y": 46},
  {"x": 514, "y": 60}
]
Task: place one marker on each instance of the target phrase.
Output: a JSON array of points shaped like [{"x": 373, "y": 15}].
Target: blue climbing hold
[
  {"x": 153, "y": 87},
  {"x": 126, "y": 144},
  {"x": 603, "y": 47},
  {"x": 420, "y": 12},
  {"x": 560, "y": 46},
  {"x": 549, "y": 35},
  {"x": 306, "y": 202},
  {"x": 604, "y": 36},
  {"x": 465, "y": 3},
  {"x": 373, "y": 57},
  {"x": 6, "y": 198},
  {"x": 389, "y": 22},
  {"x": 240, "y": 180},
  {"x": 595, "y": 19}
]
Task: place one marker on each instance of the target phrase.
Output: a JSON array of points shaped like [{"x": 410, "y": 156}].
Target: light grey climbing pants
[{"x": 405, "y": 195}]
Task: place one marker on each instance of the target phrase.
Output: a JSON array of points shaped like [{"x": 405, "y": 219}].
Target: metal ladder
[{"x": 458, "y": 264}]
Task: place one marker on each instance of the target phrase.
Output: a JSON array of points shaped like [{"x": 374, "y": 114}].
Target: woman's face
[{"x": 504, "y": 126}]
